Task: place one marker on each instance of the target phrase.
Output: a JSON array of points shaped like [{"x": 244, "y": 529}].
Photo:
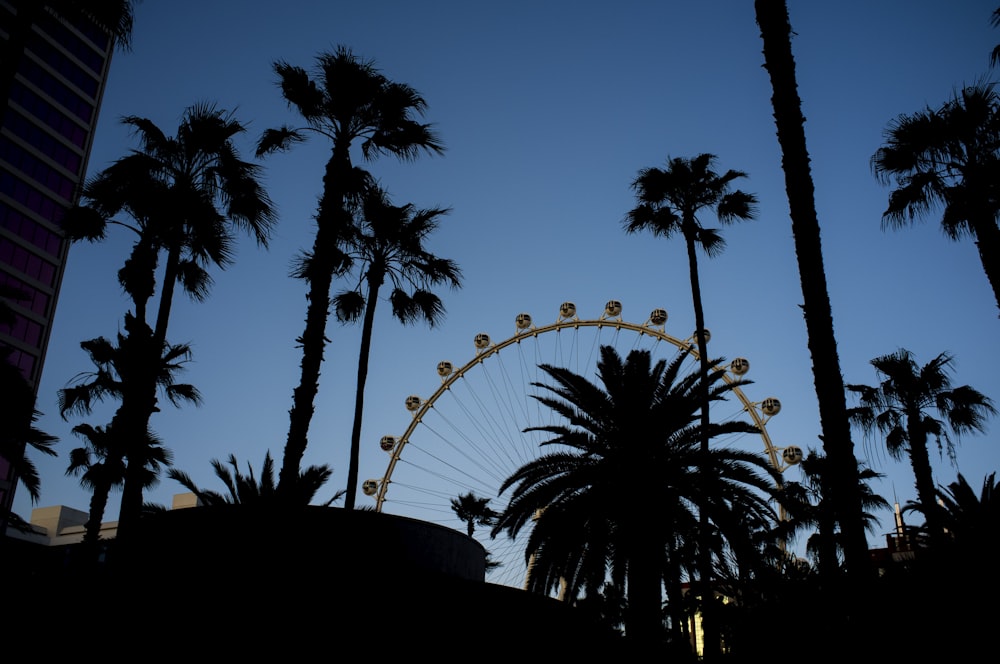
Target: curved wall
[{"x": 229, "y": 537}]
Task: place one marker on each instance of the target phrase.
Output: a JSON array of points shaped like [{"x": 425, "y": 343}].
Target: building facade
[{"x": 53, "y": 74}]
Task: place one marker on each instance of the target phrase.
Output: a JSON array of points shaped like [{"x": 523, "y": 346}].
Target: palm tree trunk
[
  {"x": 374, "y": 282},
  {"x": 988, "y": 245},
  {"x": 675, "y": 600},
  {"x": 644, "y": 623},
  {"x": 92, "y": 529},
  {"x": 139, "y": 402},
  {"x": 924, "y": 481},
  {"x": 709, "y": 624},
  {"x": 827, "y": 528},
  {"x": 313, "y": 342},
  {"x": 143, "y": 260},
  {"x": 166, "y": 297},
  {"x": 775, "y": 30},
  {"x": 131, "y": 420},
  {"x": 330, "y": 219}
]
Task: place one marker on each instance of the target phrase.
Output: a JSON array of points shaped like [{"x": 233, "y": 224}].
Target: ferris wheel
[{"x": 468, "y": 435}]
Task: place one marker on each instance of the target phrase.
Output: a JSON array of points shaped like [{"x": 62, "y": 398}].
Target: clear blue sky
[{"x": 548, "y": 110}]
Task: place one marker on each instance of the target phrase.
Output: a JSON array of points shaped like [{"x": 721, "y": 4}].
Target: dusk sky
[{"x": 548, "y": 111}]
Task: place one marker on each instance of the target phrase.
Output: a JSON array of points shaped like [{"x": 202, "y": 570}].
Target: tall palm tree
[
  {"x": 899, "y": 407},
  {"x": 389, "y": 245},
  {"x": 670, "y": 201},
  {"x": 115, "y": 17},
  {"x": 113, "y": 375},
  {"x": 618, "y": 493},
  {"x": 185, "y": 196},
  {"x": 775, "y": 32},
  {"x": 474, "y": 511},
  {"x": 348, "y": 101},
  {"x": 949, "y": 156}
]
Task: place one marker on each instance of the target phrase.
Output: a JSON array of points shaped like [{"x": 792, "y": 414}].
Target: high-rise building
[{"x": 53, "y": 73}]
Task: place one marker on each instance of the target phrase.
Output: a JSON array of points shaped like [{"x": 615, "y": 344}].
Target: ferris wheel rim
[{"x": 611, "y": 318}]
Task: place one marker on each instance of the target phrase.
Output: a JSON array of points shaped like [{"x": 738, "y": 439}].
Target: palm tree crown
[
  {"x": 949, "y": 156},
  {"x": 349, "y": 100},
  {"x": 249, "y": 490},
  {"x": 900, "y": 405},
  {"x": 620, "y": 491},
  {"x": 670, "y": 200},
  {"x": 185, "y": 194},
  {"x": 972, "y": 520},
  {"x": 474, "y": 511}
]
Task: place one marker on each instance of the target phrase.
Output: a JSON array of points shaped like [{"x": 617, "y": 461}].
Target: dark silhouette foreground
[{"x": 236, "y": 582}]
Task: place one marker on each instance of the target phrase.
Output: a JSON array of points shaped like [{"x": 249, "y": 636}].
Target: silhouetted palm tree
[
  {"x": 775, "y": 32},
  {"x": 949, "y": 156},
  {"x": 248, "y": 490},
  {"x": 971, "y": 520},
  {"x": 389, "y": 245},
  {"x": 184, "y": 194},
  {"x": 620, "y": 490},
  {"x": 114, "y": 366},
  {"x": 348, "y": 100},
  {"x": 825, "y": 544},
  {"x": 101, "y": 468},
  {"x": 115, "y": 17},
  {"x": 899, "y": 407},
  {"x": 670, "y": 203},
  {"x": 473, "y": 511}
]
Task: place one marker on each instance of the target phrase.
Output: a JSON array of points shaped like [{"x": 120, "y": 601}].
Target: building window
[
  {"x": 24, "y": 361},
  {"x": 82, "y": 51},
  {"x": 24, "y": 330},
  {"x": 31, "y": 298},
  {"x": 49, "y": 114},
  {"x": 36, "y": 169},
  {"x": 68, "y": 69},
  {"x": 31, "y": 198},
  {"x": 27, "y": 263},
  {"x": 68, "y": 99},
  {"x": 30, "y": 230},
  {"x": 43, "y": 142}
]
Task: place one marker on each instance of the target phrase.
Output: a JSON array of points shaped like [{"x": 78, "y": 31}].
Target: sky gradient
[{"x": 547, "y": 112}]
